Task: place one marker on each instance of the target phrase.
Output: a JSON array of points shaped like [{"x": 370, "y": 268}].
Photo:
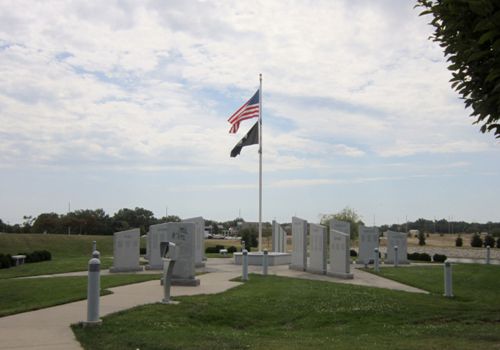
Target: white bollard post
[
  {"x": 264, "y": 262},
  {"x": 93, "y": 291},
  {"x": 376, "y": 260},
  {"x": 448, "y": 283},
  {"x": 244, "y": 277},
  {"x": 94, "y": 246},
  {"x": 396, "y": 257},
  {"x": 243, "y": 246},
  {"x": 488, "y": 256}
]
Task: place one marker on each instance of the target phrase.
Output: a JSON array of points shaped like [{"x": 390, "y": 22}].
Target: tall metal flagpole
[{"x": 260, "y": 163}]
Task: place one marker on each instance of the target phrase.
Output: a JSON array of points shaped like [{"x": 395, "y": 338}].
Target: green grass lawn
[
  {"x": 283, "y": 313},
  {"x": 69, "y": 253},
  {"x": 20, "y": 295}
]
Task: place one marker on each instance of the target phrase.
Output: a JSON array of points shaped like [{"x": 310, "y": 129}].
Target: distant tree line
[
  {"x": 98, "y": 222},
  {"x": 88, "y": 222},
  {"x": 444, "y": 226}
]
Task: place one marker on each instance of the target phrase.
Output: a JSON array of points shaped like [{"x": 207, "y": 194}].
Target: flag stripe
[{"x": 249, "y": 110}]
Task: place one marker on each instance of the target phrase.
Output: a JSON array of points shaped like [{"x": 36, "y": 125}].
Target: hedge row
[
  {"x": 426, "y": 257},
  {"x": 6, "y": 260},
  {"x": 218, "y": 247}
]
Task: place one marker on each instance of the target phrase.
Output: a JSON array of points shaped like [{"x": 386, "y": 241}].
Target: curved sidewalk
[{"x": 49, "y": 328}]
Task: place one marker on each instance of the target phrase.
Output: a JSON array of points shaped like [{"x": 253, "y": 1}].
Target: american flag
[{"x": 247, "y": 111}]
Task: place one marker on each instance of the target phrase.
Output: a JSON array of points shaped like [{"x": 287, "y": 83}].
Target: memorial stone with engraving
[
  {"x": 340, "y": 243},
  {"x": 318, "y": 249},
  {"x": 299, "y": 244},
  {"x": 278, "y": 238},
  {"x": 398, "y": 239},
  {"x": 199, "y": 239},
  {"x": 126, "y": 251},
  {"x": 368, "y": 241},
  {"x": 183, "y": 235}
]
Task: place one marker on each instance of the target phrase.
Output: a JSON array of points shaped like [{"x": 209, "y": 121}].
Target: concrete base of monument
[
  {"x": 316, "y": 271},
  {"x": 134, "y": 269},
  {"x": 187, "y": 282},
  {"x": 389, "y": 262},
  {"x": 296, "y": 268},
  {"x": 343, "y": 275},
  {"x": 256, "y": 258}
]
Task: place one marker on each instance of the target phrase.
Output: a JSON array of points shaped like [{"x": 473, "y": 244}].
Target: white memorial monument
[
  {"x": 398, "y": 239},
  {"x": 183, "y": 235},
  {"x": 199, "y": 239},
  {"x": 368, "y": 241},
  {"x": 126, "y": 251},
  {"x": 340, "y": 243},
  {"x": 318, "y": 249},
  {"x": 299, "y": 244},
  {"x": 278, "y": 238}
]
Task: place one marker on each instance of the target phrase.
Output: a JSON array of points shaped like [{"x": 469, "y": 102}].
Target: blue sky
[{"x": 122, "y": 104}]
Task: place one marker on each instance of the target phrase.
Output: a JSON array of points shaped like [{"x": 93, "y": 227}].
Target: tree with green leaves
[
  {"x": 469, "y": 32},
  {"x": 346, "y": 214}
]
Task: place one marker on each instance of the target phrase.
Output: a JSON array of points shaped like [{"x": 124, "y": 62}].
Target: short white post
[
  {"x": 488, "y": 254},
  {"x": 448, "y": 285},
  {"x": 93, "y": 291},
  {"x": 94, "y": 246},
  {"x": 244, "y": 277},
  {"x": 396, "y": 257},
  {"x": 376, "y": 260},
  {"x": 242, "y": 246},
  {"x": 264, "y": 262}
]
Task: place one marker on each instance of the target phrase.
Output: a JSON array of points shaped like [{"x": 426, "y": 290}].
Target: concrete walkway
[{"x": 48, "y": 329}]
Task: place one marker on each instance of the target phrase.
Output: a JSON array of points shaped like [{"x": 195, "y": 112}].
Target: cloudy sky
[{"x": 125, "y": 103}]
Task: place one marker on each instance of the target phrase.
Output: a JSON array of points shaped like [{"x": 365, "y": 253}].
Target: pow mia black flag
[{"x": 251, "y": 138}]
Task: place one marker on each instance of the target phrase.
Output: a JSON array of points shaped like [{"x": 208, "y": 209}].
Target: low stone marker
[
  {"x": 318, "y": 251},
  {"x": 299, "y": 244},
  {"x": 398, "y": 239},
  {"x": 340, "y": 243},
  {"x": 126, "y": 251}
]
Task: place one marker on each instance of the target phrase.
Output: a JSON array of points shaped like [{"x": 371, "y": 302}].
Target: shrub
[
  {"x": 419, "y": 256},
  {"x": 459, "y": 242},
  {"x": 232, "y": 249},
  {"x": 142, "y": 251},
  {"x": 249, "y": 235},
  {"x": 498, "y": 243},
  {"x": 353, "y": 252},
  {"x": 5, "y": 261},
  {"x": 421, "y": 238},
  {"x": 476, "y": 241},
  {"x": 489, "y": 241},
  {"x": 439, "y": 258},
  {"x": 215, "y": 249}
]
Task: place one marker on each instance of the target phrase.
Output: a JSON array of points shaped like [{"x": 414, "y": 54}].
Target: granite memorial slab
[
  {"x": 299, "y": 244},
  {"x": 126, "y": 251},
  {"x": 318, "y": 249}
]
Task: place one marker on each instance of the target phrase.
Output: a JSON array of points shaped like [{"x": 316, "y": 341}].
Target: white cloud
[{"x": 127, "y": 83}]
